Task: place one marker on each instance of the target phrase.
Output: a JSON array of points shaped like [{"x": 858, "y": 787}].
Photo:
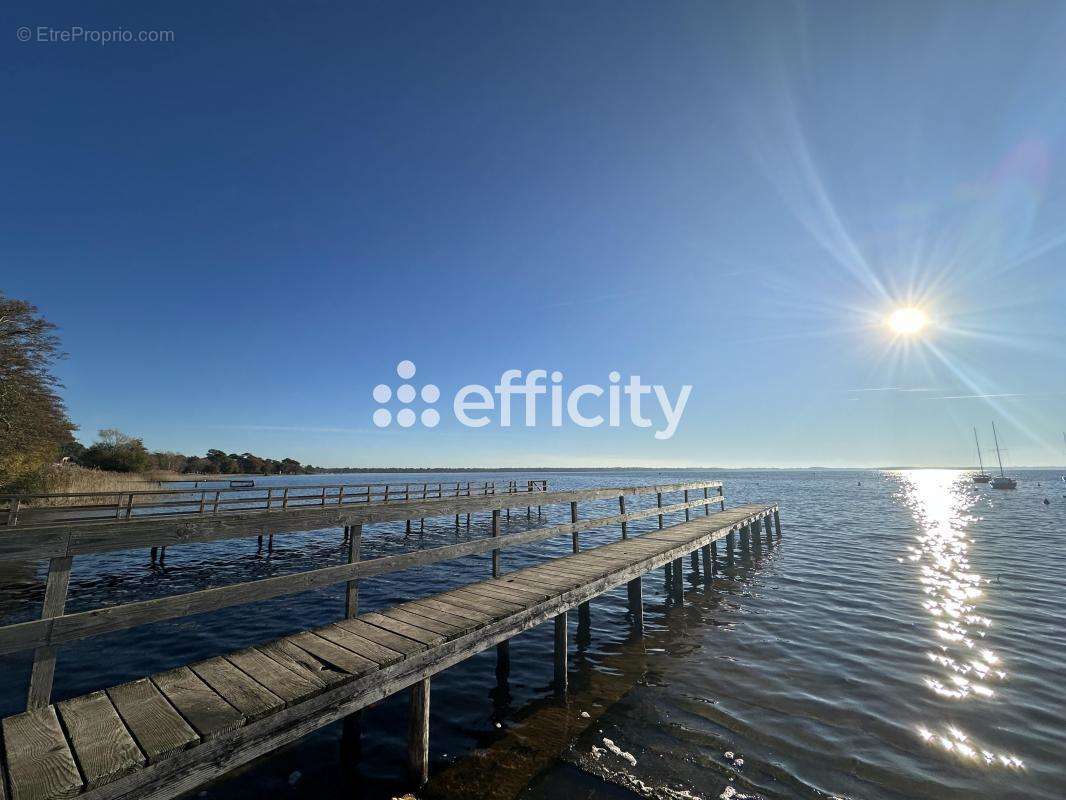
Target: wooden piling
[
  {"x": 714, "y": 557},
  {"x": 679, "y": 581},
  {"x": 659, "y": 503},
  {"x": 154, "y": 554},
  {"x": 503, "y": 661},
  {"x": 351, "y": 604},
  {"x": 495, "y": 535},
  {"x": 688, "y": 516},
  {"x": 777, "y": 522},
  {"x": 270, "y": 543},
  {"x": 636, "y": 602},
  {"x": 560, "y": 654},
  {"x": 768, "y": 531},
  {"x": 730, "y": 541},
  {"x": 622, "y": 511},
  {"x": 708, "y": 569},
  {"x": 418, "y": 733}
]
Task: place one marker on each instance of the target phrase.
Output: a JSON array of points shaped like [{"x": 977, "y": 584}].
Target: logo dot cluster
[{"x": 406, "y": 394}]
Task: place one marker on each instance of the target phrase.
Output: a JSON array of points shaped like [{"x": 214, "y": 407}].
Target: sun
[{"x": 907, "y": 321}]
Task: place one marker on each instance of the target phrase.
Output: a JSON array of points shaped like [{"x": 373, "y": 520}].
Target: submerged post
[
  {"x": 418, "y": 733},
  {"x": 560, "y": 654}
]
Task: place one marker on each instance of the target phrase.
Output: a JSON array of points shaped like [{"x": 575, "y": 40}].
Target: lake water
[{"x": 904, "y": 640}]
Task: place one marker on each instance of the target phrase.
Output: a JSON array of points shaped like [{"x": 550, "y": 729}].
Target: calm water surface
[{"x": 905, "y": 640}]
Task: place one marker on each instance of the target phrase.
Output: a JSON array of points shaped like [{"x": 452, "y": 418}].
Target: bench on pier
[{"x": 163, "y": 735}]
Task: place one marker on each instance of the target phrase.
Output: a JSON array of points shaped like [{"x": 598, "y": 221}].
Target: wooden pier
[{"x": 163, "y": 735}]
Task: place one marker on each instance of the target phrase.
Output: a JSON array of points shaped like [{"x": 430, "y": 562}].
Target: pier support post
[
  {"x": 560, "y": 654},
  {"x": 503, "y": 661},
  {"x": 418, "y": 733},
  {"x": 162, "y": 556},
  {"x": 695, "y": 558},
  {"x": 270, "y": 543},
  {"x": 407, "y": 532},
  {"x": 155, "y": 554},
  {"x": 777, "y": 523},
  {"x": 714, "y": 557},
  {"x": 636, "y": 603},
  {"x": 730, "y": 541},
  {"x": 707, "y": 568},
  {"x": 352, "y": 738},
  {"x": 495, "y": 535},
  {"x": 351, "y": 604},
  {"x": 769, "y": 532},
  {"x": 679, "y": 581},
  {"x": 259, "y": 544}
]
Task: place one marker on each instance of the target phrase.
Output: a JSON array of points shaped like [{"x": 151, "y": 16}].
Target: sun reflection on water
[{"x": 963, "y": 668}]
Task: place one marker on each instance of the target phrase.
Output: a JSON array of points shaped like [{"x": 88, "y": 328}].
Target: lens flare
[{"x": 907, "y": 321}]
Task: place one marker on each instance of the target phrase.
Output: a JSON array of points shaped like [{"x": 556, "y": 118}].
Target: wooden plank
[
  {"x": 424, "y": 621},
  {"x": 201, "y": 707},
  {"x": 382, "y": 656},
  {"x": 104, "y": 749},
  {"x": 399, "y": 644},
  {"x": 303, "y": 663},
  {"x": 39, "y": 762},
  {"x": 435, "y": 611},
  {"x": 402, "y": 628},
  {"x": 338, "y": 656},
  {"x": 442, "y": 603},
  {"x": 237, "y": 688},
  {"x": 281, "y": 681},
  {"x": 497, "y": 608},
  {"x": 158, "y": 729}
]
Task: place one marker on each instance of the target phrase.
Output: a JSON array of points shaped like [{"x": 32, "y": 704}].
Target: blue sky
[{"x": 240, "y": 233}]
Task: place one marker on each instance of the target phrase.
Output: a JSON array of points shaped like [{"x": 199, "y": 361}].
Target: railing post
[
  {"x": 573, "y": 518},
  {"x": 688, "y": 517},
  {"x": 351, "y": 604},
  {"x": 13, "y": 511},
  {"x": 340, "y": 495},
  {"x": 44, "y": 658},
  {"x": 721, "y": 496},
  {"x": 285, "y": 498},
  {"x": 270, "y": 496},
  {"x": 706, "y": 506},
  {"x": 418, "y": 733},
  {"x": 622, "y": 511},
  {"x": 129, "y": 506},
  {"x": 118, "y": 506},
  {"x": 496, "y": 552},
  {"x": 218, "y": 495},
  {"x": 659, "y": 503}
]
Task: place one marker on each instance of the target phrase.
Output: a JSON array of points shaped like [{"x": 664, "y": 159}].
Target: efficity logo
[{"x": 518, "y": 396}]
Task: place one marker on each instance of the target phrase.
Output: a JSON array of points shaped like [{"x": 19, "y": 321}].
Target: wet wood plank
[
  {"x": 197, "y": 702},
  {"x": 39, "y": 762},
  {"x": 157, "y": 728},
  {"x": 104, "y": 749},
  {"x": 238, "y": 689}
]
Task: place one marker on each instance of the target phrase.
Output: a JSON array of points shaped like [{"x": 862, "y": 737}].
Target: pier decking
[{"x": 163, "y": 735}]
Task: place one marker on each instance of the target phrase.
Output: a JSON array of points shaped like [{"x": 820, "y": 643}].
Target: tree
[
  {"x": 116, "y": 451},
  {"x": 33, "y": 420}
]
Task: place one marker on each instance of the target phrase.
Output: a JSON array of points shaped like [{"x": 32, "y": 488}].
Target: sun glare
[{"x": 907, "y": 321}]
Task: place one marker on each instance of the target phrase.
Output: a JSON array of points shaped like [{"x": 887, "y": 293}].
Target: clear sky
[{"x": 241, "y": 232}]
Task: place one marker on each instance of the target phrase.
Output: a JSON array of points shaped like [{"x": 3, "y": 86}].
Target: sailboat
[
  {"x": 982, "y": 476},
  {"x": 1001, "y": 481}
]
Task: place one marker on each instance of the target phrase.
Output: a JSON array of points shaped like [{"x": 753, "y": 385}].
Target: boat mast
[
  {"x": 1000, "y": 460},
  {"x": 978, "y": 443}
]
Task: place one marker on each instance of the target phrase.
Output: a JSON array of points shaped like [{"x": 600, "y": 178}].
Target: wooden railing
[
  {"x": 81, "y": 506},
  {"x": 55, "y": 627}
]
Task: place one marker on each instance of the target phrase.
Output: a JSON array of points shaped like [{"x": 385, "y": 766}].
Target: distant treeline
[{"x": 119, "y": 452}]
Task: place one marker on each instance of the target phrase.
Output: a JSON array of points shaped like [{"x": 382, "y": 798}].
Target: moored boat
[{"x": 1001, "y": 481}]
